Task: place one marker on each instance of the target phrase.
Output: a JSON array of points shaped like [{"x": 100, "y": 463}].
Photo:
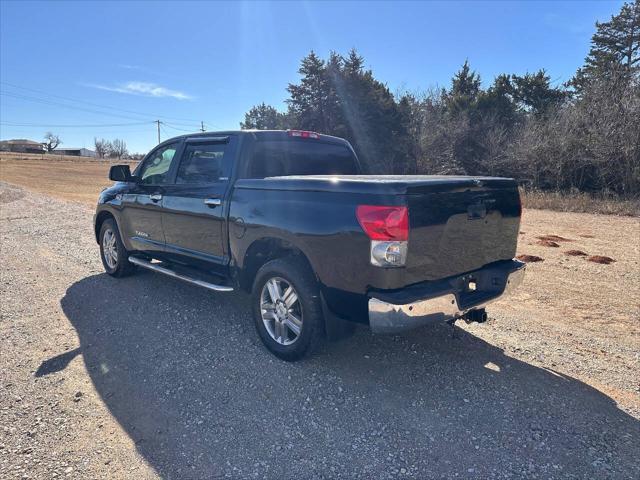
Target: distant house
[
  {"x": 75, "y": 152},
  {"x": 22, "y": 145}
]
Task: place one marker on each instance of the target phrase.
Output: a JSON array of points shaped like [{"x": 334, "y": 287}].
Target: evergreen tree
[
  {"x": 308, "y": 99},
  {"x": 339, "y": 97},
  {"x": 464, "y": 92},
  {"x": 512, "y": 128},
  {"x": 463, "y": 119},
  {"x": 498, "y": 101},
  {"x": 533, "y": 92},
  {"x": 264, "y": 117},
  {"x": 614, "y": 47}
]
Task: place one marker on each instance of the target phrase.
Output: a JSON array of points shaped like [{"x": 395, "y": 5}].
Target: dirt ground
[{"x": 146, "y": 377}]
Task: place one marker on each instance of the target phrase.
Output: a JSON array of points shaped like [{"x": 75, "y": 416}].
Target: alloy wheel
[
  {"x": 281, "y": 311},
  {"x": 110, "y": 248}
]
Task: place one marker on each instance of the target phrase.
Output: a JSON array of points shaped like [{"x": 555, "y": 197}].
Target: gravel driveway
[{"x": 147, "y": 377}]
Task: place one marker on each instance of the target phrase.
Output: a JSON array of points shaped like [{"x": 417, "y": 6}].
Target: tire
[
  {"x": 275, "y": 322},
  {"x": 120, "y": 265}
]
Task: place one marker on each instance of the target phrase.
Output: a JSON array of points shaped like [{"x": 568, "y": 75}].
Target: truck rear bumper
[{"x": 447, "y": 299}]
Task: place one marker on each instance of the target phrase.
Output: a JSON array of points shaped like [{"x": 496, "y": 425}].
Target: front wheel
[
  {"x": 287, "y": 309},
  {"x": 114, "y": 255}
]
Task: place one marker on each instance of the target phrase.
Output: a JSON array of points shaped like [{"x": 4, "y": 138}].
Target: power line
[
  {"x": 161, "y": 126},
  {"x": 179, "y": 129},
  {"x": 59, "y": 104},
  {"x": 41, "y": 125},
  {"x": 74, "y": 107},
  {"x": 41, "y": 92}
]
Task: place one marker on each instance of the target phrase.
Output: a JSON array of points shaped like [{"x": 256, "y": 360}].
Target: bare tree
[
  {"x": 102, "y": 147},
  {"x": 136, "y": 156},
  {"x": 119, "y": 148},
  {"x": 51, "y": 141},
  {"x": 108, "y": 145}
]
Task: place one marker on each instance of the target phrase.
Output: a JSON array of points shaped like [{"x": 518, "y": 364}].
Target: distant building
[
  {"x": 75, "y": 152},
  {"x": 22, "y": 145}
]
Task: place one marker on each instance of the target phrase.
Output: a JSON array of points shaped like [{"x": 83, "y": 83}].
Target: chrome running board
[{"x": 157, "y": 268}]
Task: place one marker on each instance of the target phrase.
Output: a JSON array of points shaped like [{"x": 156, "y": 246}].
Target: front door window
[{"x": 155, "y": 170}]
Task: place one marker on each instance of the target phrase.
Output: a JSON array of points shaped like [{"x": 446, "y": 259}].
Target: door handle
[
  {"x": 212, "y": 202},
  {"x": 156, "y": 197}
]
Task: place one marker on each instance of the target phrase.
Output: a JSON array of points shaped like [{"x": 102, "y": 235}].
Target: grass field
[
  {"x": 71, "y": 178},
  {"x": 580, "y": 203}
]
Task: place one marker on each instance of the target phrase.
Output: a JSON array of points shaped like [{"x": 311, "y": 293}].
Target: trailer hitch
[{"x": 478, "y": 316}]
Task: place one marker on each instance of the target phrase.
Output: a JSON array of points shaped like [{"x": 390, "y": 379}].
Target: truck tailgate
[{"x": 461, "y": 226}]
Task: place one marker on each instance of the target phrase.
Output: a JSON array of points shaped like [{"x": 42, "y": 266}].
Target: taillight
[
  {"x": 384, "y": 223},
  {"x": 303, "y": 134},
  {"x": 388, "y": 229}
]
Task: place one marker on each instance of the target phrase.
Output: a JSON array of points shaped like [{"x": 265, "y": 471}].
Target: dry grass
[
  {"x": 47, "y": 157},
  {"x": 579, "y": 203},
  {"x": 74, "y": 178}
]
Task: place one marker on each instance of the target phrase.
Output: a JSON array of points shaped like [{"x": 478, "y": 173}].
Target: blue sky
[{"x": 63, "y": 64}]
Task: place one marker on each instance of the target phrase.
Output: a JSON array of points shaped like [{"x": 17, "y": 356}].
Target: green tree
[
  {"x": 372, "y": 118},
  {"x": 498, "y": 101},
  {"x": 308, "y": 100},
  {"x": 614, "y": 47},
  {"x": 464, "y": 92},
  {"x": 533, "y": 92},
  {"x": 264, "y": 117},
  {"x": 463, "y": 120},
  {"x": 339, "y": 97}
]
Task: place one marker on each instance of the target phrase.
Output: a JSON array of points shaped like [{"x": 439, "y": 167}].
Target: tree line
[
  {"x": 580, "y": 136},
  {"x": 115, "y": 148}
]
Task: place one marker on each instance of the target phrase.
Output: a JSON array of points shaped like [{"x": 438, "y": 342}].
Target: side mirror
[{"x": 120, "y": 173}]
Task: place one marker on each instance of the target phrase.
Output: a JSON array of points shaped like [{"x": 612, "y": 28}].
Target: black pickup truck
[{"x": 289, "y": 217}]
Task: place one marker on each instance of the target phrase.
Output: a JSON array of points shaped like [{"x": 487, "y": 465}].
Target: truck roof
[{"x": 271, "y": 134}]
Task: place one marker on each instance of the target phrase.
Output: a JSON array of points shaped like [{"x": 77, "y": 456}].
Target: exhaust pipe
[{"x": 479, "y": 316}]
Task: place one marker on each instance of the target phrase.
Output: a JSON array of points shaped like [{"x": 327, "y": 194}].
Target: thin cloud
[{"x": 144, "y": 89}]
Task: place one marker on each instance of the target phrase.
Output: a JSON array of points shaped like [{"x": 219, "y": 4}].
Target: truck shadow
[{"x": 183, "y": 372}]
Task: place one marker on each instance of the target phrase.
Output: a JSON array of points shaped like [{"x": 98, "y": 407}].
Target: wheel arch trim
[
  {"x": 100, "y": 217},
  {"x": 263, "y": 250}
]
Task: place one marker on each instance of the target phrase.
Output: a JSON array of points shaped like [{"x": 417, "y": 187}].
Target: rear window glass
[
  {"x": 274, "y": 158},
  {"x": 203, "y": 163}
]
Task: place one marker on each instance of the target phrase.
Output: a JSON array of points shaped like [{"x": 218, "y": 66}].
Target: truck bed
[{"x": 457, "y": 223}]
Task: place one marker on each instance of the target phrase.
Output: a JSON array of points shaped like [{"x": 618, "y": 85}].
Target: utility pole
[
  {"x": 158, "y": 122},
  {"x": 201, "y": 126}
]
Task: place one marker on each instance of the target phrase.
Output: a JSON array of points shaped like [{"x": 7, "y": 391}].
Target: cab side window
[
  {"x": 155, "y": 170},
  {"x": 204, "y": 163}
]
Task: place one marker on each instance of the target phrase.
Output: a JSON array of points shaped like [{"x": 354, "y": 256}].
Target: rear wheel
[
  {"x": 287, "y": 309},
  {"x": 114, "y": 255}
]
